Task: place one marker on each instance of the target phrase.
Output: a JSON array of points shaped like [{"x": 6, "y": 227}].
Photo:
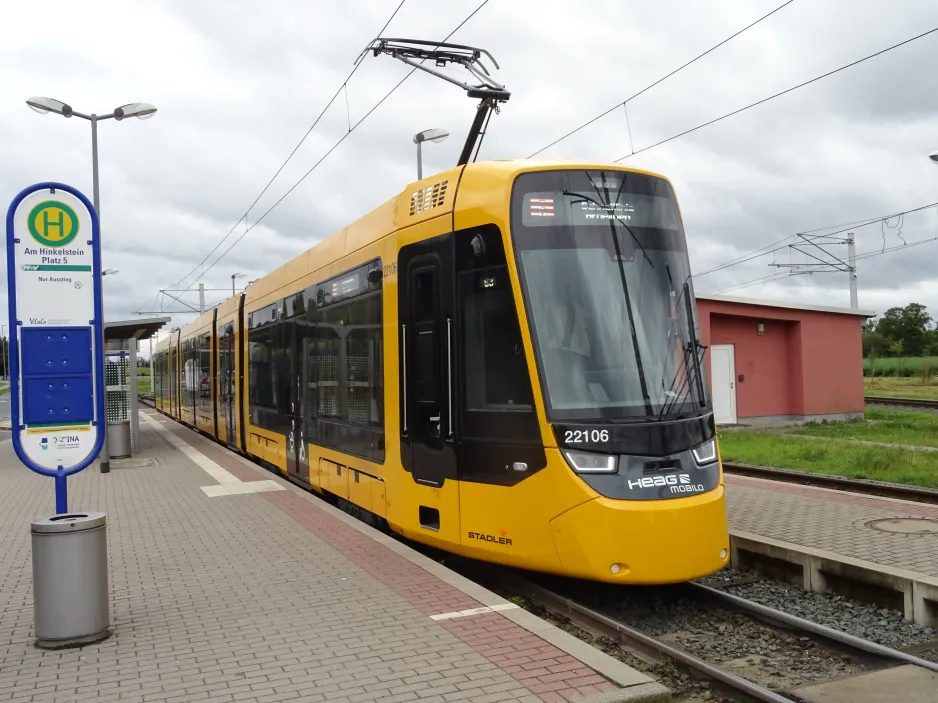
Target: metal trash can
[
  {"x": 70, "y": 580},
  {"x": 119, "y": 439}
]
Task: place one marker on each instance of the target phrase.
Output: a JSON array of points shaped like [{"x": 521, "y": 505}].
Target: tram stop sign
[{"x": 56, "y": 339}]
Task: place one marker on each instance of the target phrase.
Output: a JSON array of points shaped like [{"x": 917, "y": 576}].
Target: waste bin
[
  {"x": 118, "y": 439},
  {"x": 70, "y": 579}
]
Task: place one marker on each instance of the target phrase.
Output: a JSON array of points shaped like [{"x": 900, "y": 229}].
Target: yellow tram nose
[{"x": 644, "y": 542}]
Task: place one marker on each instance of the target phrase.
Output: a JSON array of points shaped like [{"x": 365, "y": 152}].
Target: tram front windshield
[{"x": 607, "y": 287}]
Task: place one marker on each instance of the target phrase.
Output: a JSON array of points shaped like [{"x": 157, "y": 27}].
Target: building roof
[
  {"x": 716, "y": 297},
  {"x": 134, "y": 329}
]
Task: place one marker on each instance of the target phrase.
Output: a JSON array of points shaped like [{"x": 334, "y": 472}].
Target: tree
[
  {"x": 874, "y": 344},
  {"x": 908, "y": 325}
]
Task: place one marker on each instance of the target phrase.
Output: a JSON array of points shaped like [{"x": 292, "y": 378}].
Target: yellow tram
[{"x": 502, "y": 362}]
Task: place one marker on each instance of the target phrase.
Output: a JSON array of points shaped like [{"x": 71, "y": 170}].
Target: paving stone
[
  {"x": 831, "y": 520},
  {"x": 246, "y": 597}
]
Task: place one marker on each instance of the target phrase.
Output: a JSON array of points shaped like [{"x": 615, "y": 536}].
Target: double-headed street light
[
  {"x": 141, "y": 111},
  {"x": 427, "y": 135}
]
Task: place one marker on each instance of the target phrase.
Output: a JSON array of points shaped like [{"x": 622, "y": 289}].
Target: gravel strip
[
  {"x": 880, "y": 625},
  {"x": 684, "y": 689},
  {"x": 773, "y": 658}
]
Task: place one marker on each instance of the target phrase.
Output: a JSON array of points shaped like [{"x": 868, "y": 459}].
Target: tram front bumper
[{"x": 644, "y": 542}]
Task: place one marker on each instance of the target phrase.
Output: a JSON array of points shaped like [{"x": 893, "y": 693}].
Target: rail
[
  {"x": 784, "y": 619},
  {"x": 918, "y": 494},
  {"x": 653, "y": 649},
  {"x": 907, "y": 402}
]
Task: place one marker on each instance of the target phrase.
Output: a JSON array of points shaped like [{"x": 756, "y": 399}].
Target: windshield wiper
[
  {"x": 688, "y": 373},
  {"x": 687, "y": 376}
]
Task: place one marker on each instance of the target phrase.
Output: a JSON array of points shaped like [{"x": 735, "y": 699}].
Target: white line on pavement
[
  {"x": 228, "y": 484},
  {"x": 474, "y": 611}
]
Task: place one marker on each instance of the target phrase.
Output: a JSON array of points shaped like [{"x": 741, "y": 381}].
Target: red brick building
[{"x": 772, "y": 362}]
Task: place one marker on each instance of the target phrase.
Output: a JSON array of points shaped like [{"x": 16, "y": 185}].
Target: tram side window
[
  {"x": 204, "y": 374},
  {"x": 425, "y": 356},
  {"x": 496, "y": 399},
  {"x": 156, "y": 379},
  {"x": 365, "y": 363},
  {"x": 188, "y": 375},
  {"x": 263, "y": 367},
  {"x": 496, "y": 370},
  {"x": 345, "y": 371},
  {"x": 173, "y": 375},
  {"x": 194, "y": 373}
]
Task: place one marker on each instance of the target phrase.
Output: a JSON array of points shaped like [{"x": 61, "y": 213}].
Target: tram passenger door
[
  {"x": 426, "y": 303},
  {"x": 295, "y": 342}
]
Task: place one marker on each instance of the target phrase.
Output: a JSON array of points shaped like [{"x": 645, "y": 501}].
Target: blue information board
[{"x": 56, "y": 332}]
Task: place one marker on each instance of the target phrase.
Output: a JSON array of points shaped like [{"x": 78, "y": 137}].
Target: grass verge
[
  {"x": 901, "y": 387},
  {"x": 881, "y": 425},
  {"x": 840, "y": 458}
]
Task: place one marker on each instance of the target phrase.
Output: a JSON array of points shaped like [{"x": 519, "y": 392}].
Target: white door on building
[{"x": 723, "y": 370}]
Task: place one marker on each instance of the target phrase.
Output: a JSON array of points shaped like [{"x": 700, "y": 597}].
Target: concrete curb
[{"x": 821, "y": 569}]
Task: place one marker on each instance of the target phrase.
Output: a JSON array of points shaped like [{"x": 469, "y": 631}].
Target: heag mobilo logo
[{"x": 678, "y": 483}]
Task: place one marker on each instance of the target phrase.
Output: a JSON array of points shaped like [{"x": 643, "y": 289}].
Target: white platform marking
[
  {"x": 228, "y": 484},
  {"x": 474, "y": 611}
]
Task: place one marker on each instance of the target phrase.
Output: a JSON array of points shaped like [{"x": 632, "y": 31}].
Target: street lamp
[
  {"x": 109, "y": 272},
  {"x": 141, "y": 111},
  {"x": 934, "y": 157},
  {"x": 233, "y": 277},
  {"x": 427, "y": 135}
]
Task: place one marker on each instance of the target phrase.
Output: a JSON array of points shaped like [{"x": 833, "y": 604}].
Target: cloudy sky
[{"x": 238, "y": 83}]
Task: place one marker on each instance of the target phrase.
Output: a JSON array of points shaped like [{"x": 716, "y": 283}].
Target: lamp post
[
  {"x": 141, "y": 111},
  {"x": 427, "y": 135},
  {"x": 233, "y": 277}
]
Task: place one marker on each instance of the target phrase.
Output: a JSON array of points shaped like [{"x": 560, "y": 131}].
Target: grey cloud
[{"x": 238, "y": 83}]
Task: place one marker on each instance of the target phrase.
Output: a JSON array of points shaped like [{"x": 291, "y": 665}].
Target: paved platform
[
  {"x": 887, "y": 547},
  {"x": 228, "y": 584},
  {"x": 833, "y": 520}
]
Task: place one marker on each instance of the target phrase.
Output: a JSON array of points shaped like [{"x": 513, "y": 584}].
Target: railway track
[
  {"x": 655, "y": 649},
  {"x": 854, "y": 485},
  {"x": 904, "y": 402}
]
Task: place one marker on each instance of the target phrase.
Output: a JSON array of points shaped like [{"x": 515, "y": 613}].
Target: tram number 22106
[{"x": 580, "y": 436}]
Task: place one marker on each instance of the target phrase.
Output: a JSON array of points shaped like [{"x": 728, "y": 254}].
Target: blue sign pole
[{"x": 56, "y": 332}]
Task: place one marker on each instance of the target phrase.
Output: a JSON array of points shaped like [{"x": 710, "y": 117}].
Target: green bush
[{"x": 908, "y": 365}]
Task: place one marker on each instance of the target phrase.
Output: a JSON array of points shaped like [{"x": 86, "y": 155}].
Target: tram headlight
[
  {"x": 589, "y": 463},
  {"x": 706, "y": 453}
]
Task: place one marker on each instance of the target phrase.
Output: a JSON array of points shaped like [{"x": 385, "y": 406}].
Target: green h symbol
[{"x": 47, "y": 223}]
